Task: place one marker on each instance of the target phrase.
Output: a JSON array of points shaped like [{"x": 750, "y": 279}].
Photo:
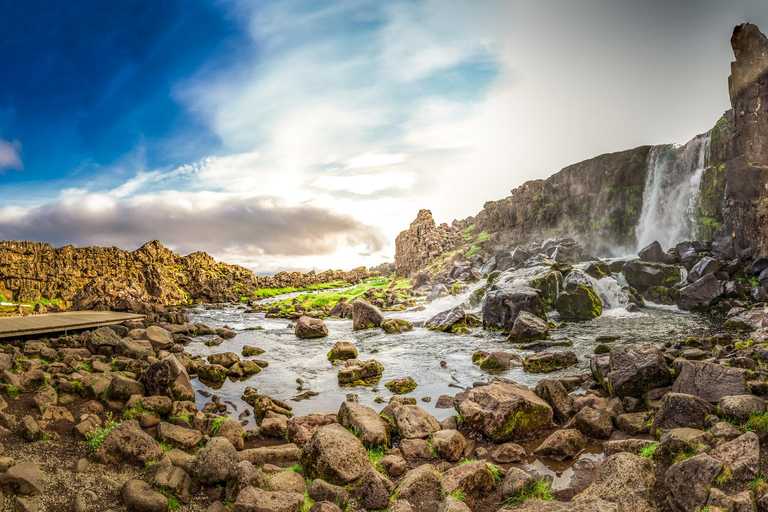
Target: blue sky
[{"x": 305, "y": 134}]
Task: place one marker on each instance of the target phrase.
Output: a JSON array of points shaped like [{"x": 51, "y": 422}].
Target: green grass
[
  {"x": 466, "y": 461},
  {"x": 296, "y": 468},
  {"x": 307, "y": 505},
  {"x": 539, "y": 490},
  {"x": 495, "y": 471},
  {"x": 86, "y": 365},
  {"x": 173, "y": 501},
  {"x": 217, "y": 425},
  {"x": 432, "y": 450},
  {"x": 741, "y": 345},
  {"x": 458, "y": 494},
  {"x": 757, "y": 423},
  {"x": 166, "y": 447},
  {"x": 95, "y": 437},
  {"x": 375, "y": 454},
  {"x": 758, "y": 484},
  {"x": 724, "y": 477},
  {"x": 648, "y": 451},
  {"x": 459, "y": 419},
  {"x": 267, "y": 293},
  {"x": 12, "y": 391}
]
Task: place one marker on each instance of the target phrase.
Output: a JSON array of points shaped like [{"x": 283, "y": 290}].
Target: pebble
[{"x": 81, "y": 466}]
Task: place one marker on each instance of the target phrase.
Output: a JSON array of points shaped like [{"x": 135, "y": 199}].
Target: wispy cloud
[{"x": 10, "y": 155}]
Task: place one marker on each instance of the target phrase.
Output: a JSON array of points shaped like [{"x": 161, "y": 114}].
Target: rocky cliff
[
  {"x": 612, "y": 203},
  {"x": 108, "y": 277},
  {"x": 422, "y": 242}
]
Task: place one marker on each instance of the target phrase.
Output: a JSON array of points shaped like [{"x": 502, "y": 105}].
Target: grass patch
[
  {"x": 95, "y": 437},
  {"x": 648, "y": 451},
  {"x": 375, "y": 454},
  {"x": 458, "y": 494},
  {"x": 758, "y": 484},
  {"x": 539, "y": 490},
  {"x": 724, "y": 477},
  {"x": 432, "y": 450},
  {"x": 12, "y": 391},
  {"x": 757, "y": 423},
  {"x": 217, "y": 425},
  {"x": 296, "y": 468},
  {"x": 173, "y": 501},
  {"x": 495, "y": 471}
]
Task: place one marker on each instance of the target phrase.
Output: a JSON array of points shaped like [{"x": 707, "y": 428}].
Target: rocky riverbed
[{"x": 498, "y": 389}]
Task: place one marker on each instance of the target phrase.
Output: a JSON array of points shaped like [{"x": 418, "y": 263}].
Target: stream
[{"x": 417, "y": 353}]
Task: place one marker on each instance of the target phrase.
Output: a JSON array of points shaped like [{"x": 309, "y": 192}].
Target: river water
[{"x": 418, "y": 353}]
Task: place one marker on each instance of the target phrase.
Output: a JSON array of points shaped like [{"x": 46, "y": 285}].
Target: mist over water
[{"x": 671, "y": 195}]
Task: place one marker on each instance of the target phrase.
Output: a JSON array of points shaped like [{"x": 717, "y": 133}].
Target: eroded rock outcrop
[
  {"x": 152, "y": 275},
  {"x": 422, "y": 242}
]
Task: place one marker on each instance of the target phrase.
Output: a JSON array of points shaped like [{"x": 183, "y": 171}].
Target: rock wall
[
  {"x": 422, "y": 242},
  {"x": 734, "y": 194},
  {"x": 108, "y": 277},
  {"x": 597, "y": 201}
]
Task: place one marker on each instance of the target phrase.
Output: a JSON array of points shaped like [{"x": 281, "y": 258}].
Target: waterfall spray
[{"x": 671, "y": 195}]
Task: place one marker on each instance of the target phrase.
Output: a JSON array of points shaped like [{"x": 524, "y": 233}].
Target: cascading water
[{"x": 671, "y": 195}]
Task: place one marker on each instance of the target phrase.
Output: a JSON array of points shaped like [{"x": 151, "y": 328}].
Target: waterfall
[{"x": 671, "y": 194}]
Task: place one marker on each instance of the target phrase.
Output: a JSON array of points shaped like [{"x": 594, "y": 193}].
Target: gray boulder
[
  {"x": 635, "y": 370},
  {"x": 710, "y": 381}
]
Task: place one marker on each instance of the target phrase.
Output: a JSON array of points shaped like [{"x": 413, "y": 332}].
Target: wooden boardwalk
[{"x": 61, "y": 322}]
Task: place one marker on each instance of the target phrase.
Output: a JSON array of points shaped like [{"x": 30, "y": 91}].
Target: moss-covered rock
[
  {"x": 212, "y": 372},
  {"x": 342, "y": 351},
  {"x": 360, "y": 373},
  {"x": 544, "y": 362},
  {"x": 579, "y": 302},
  {"x": 396, "y": 326},
  {"x": 401, "y": 386},
  {"x": 504, "y": 411}
]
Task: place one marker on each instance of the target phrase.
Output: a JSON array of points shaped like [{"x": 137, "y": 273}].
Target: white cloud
[{"x": 10, "y": 155}]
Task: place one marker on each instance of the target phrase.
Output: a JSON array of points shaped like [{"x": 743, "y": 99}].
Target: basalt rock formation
[
  {"x": 422, "y": 242},
  {"x": 608, "y": 201},
  {"x": 112, "y": 278}
]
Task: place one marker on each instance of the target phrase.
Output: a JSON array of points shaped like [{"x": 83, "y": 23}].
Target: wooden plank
[{"x": 60, "y": 322}]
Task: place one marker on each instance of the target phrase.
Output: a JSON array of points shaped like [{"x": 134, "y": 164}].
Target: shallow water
[{"x": 417, "y": 353}]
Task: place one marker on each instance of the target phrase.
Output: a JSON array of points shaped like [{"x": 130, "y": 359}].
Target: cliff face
[
  {"x": 601, "y": 202},
  {"x": 108, "y": 277},
  {"x": 735, "y": 187},
  {"x": 422, "y": 242},
  {"x": 597, "y": 201}
]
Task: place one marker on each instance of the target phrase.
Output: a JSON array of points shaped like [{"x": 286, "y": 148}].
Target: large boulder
[
  {"x": 626, "y": 480},
  {"x": 138, "y": 495},
  {"x": 159, "y": 338},
  {"x": 545, "y": 362},
  {"x": 710, "y": 381},
  {"x": 334, "y": 455},
  {"x": 561, "y": 445},
  {"x": 688, "y": 482},
  {"x": 643, "y": 275},
  {"x": 701, "y": 294},
  {"x": 594, "y": 422},
  {"x": 365, "y": 315},
  {"x": 653, "y": 253},
  {"x": 454, "y": 320},
  {"x": 341, "y": 351},
  {"x": 528, "y": 327},
  {"x": 635, "y": 370},
  {"x": 215, "y": 462},
  {"x": 308, "y": 328},
  {"x": 579, "y": 302},
  {"x": 102, "y": 341},
  {"x": 252, "y": 499},
  {"x": 741, "y": 407},
  {"x": 474, "y": 479},
  {"x": 413, "y": 422},
  {"x": 555, "y": 394},
  {"x": 504, "y": 410},
  {"x": 706, "y": 265},
  {"x": 372, "y": 431},
  {"x": 421, "y": 487},
  {"x": 24, "y": 478},
  {"x": 449, "y": 444},
  {"x": 504, "y": 303},
  {"x": 356, "y": 372},
  {"x": 741, "y": 456},
  {"x": 128, "y": 443},
  {"x": 682, "y": 410},
  {"x": 168, "y": 377}
]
